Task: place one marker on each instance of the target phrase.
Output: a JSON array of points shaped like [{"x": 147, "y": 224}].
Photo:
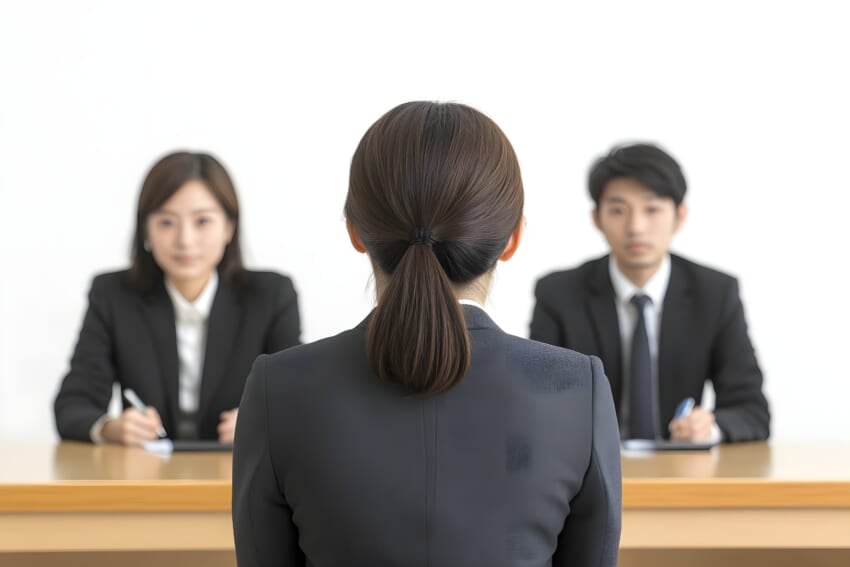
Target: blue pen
[{"x": 684, "y": 408}]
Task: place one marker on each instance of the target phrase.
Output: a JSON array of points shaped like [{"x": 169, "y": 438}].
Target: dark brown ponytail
[{"x": 434, "y": 194}]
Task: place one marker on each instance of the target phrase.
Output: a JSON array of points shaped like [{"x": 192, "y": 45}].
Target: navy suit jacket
[
  {"x": 518, "y": 464},
  {"x": 703, "y": 337},
  {"x": 129, "y": 337}
]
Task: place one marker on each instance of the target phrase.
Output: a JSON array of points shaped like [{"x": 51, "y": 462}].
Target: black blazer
[
  {"x": 129, "y": 337},
  {"x": 703, "y": 337},
  {"x": 519, "y": 464}
]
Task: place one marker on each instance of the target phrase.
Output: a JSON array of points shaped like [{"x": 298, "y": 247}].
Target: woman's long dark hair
[
  {"x": 166, "y": 176},
  {"x": 434, "y": 193}
]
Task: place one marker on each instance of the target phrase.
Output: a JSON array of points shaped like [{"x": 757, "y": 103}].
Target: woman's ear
[
  {"x": 231, "y": 230},
  {"x": 356, "y": 243},
  {"x": 513, "y": 241}
]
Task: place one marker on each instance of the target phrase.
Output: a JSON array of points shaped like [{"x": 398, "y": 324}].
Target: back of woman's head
[
  {"x": 165, "y": 178},
  {"x": 434, "y": 194}
]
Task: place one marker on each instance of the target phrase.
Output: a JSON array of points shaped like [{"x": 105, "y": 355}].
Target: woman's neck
[
  {"x": 477, "y": 290},
  {"x": 190, "y": 289}
]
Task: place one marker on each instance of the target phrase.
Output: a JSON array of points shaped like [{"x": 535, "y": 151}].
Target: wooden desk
[
  {"x": 78, "y": 497},
  {"x": 738, "y": 496}
]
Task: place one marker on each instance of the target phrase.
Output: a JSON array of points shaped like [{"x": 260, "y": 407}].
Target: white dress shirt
[
  {"x": 190, "y": 320},
  {"x": 627, "y": 316},
  {"x": 655, "y": 289}
]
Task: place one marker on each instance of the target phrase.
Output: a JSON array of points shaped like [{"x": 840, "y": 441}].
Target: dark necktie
[{"x": 641, "y": 387}]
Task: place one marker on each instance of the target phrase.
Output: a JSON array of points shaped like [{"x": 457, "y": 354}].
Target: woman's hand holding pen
[{"x": 133, "y": 427}]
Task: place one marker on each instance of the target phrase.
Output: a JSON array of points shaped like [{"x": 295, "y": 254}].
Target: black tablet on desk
[
  {"x": 180, "y": 445},
  {"x": 663, "y": 445}
]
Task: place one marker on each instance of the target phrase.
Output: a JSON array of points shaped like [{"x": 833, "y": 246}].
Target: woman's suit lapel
[
  {"x": 159, "y": 313},
  {"x": 223, "y": 327}
]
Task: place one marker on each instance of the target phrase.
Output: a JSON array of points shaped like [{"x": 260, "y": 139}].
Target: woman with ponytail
[{"x": 426, "y": 435}]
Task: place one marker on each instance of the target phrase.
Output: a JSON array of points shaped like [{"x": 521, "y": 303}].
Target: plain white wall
[{"x": 751, "y": 97}]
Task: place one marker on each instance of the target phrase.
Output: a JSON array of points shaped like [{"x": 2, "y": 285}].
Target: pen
[
  {"x": 137, "y": 403},
  {"x": 684, "y": 408}
]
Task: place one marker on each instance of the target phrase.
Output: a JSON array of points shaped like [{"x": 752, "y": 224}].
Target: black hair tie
[{"x": 422, "y": 236}]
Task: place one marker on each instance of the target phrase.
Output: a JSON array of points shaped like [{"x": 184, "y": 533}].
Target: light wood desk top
[
  {"x": 81, "y": 477},
  {"x": 109, "y": 498},
  {"x": 745, "y": 496},
  {"x": 743, "y": 475}
]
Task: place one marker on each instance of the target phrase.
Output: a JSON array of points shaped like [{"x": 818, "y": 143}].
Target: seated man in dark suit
[{"x": 662, "y": 325}]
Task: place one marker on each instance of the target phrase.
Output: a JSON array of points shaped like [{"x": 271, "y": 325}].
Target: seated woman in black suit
[
  {"x": 426, "y": 435},
  {"x": 182, "y": 326}
]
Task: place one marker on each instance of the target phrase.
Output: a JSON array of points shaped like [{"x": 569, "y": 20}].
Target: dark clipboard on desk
[
  {"x": 168, "y": 446},
  {"x": 663, "y": 445}
]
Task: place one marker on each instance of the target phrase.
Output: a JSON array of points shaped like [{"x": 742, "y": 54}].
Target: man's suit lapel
[
  {"x": 223, "y": 327},
  {"x": 603, "y": 313},
  {"x": 159, "y": 313},
  {"x": 675, "y": 318}
]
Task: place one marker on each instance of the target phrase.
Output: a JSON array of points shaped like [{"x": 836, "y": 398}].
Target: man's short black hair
[{"x": 646, "y": 163}]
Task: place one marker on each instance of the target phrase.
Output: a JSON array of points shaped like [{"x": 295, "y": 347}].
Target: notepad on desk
[{"x": 167, "y": 446}]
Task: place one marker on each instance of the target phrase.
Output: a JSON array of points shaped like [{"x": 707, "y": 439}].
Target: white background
[{"x": 751, "y": 97}]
